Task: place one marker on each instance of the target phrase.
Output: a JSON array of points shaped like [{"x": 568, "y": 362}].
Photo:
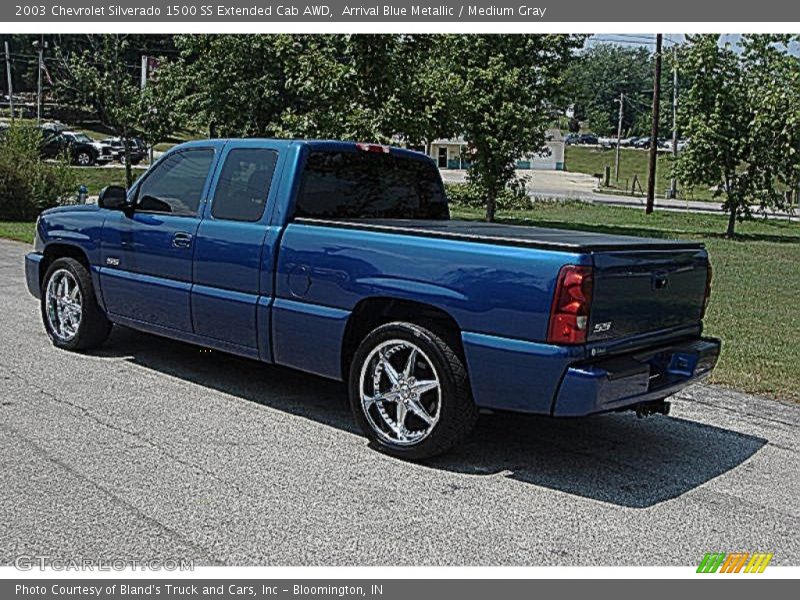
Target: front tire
[
  {"x": 84, "y": 159},
  {"x": 72, "y": 318},
  {"x": 409, "y": 392}
]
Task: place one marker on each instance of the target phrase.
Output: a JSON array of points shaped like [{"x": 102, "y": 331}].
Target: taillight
[
  {"x": 709, "y": 273},
  {"x": 373, "y": 148},
  {"x": 569, "y": 314}
]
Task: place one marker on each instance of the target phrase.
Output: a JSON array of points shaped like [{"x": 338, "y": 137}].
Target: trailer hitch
[{"x": 645, "y": 409}]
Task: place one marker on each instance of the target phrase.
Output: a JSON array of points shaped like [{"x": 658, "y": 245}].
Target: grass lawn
[
  {"x": 754, "y": 303},
  {"x": 96, "y": 178},
  {"x": 17, "y": 230},
  {"x": 590, "y": 160}
]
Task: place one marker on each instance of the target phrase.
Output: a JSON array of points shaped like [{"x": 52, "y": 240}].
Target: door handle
[{"x": 181, "y": 240}]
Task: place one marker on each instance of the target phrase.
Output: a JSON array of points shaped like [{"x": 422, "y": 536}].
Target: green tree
[
  {"x": 29, "y": 185},
  {"x": 733, "y": 111},
  {"x": 508, "y": 83},
  {"x": 774, "y": 78},
  {"x": 100, "y": 74},
  {"x": 594, "y": 82},
  {"x": 358, "y": 87}
]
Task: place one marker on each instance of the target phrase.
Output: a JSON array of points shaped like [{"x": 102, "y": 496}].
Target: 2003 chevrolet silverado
[{"x": 341, "y": 259}]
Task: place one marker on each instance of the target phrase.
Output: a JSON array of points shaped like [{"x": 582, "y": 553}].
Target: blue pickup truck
[{"x": 341, "y": 259}]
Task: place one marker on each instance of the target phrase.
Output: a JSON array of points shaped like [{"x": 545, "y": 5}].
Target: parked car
[
  {"x": 587, "y": 139},
  {"x": 341, "y": 259},
  {"x": 137, "y": 149},
  {"x": 80, "y": 148},
  {"x": 571, "y": 138},
  {"x": 607, "y": 142},
  {"x": 641, "y": 142}
]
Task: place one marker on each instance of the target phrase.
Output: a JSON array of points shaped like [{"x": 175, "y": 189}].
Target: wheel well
[
  {"x": 374, "y": 312},
  {"x": 56, "y": 251}
]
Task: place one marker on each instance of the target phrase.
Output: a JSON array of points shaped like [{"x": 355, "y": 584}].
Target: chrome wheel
[
  {"x": 84, "y": 160},
  {"x": 401, "y": 394},
  {"x": 64, "y": 305}
]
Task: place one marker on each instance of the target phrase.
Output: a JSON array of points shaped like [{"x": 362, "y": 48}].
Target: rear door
[
  {"x": 234, "y": 248},
  {"x": 146, "y": 273},
  {"x": 641, "y": 291}
]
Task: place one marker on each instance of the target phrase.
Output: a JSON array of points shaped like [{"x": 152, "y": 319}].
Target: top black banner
[{"x": 341, "y": 11}]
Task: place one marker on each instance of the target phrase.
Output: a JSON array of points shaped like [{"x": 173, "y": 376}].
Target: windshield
[
  {"x": 369, "y": 185},
  {"x": 80, "y": 137}
]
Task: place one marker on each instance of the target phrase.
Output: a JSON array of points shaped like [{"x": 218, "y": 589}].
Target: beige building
[{"x": 453, "y": 154}]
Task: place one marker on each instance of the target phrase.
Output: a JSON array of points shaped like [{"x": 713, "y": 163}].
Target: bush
[
  {"x": 513, "y": 197},
  {"x": 27, "y": 184}
]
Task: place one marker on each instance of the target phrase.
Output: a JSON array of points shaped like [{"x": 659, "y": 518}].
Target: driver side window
[{"x": 176, "y": 185}]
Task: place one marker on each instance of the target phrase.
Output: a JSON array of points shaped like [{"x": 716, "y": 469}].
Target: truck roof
[{"x": 324, "y": 145}]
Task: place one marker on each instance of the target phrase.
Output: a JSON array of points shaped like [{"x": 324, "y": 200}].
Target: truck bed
[{"x": 513, "y": 235}]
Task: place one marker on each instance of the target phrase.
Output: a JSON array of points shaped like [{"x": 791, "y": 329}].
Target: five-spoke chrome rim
[
  {"x": 64, "y": 309},
  {"x": 401, "y": 395}
]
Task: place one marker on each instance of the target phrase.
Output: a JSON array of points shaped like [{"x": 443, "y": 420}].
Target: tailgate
[{"x": 639, "y": 291}]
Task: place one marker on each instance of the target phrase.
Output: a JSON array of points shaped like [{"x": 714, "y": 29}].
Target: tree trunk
[
  {"x": 731, "y": 223},
  {"x": 126, "y": 152},
  {"x": 491, "y": 206},
  {"x": 733, "y": 203}
]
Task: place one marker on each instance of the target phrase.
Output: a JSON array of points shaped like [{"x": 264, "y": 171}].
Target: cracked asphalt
[{"x": 153, "y": 448}]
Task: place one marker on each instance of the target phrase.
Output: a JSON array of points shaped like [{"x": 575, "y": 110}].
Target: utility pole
[
  {"x": 10, "y": 85},
  {"x": 40, "y": 45},
  {"x": 143, "y": 80},
  {"x": 673, "y": 183},
  {"x": 651, "y": 181},
  {"x": 619, "y": 134}
]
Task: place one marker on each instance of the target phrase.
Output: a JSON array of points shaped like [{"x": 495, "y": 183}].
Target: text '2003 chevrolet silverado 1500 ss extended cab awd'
[{"x": 341, "y": 259}]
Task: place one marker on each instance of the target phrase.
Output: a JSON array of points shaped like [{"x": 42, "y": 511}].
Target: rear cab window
[
  {"x": 243, "y": 185},
  {"x": 370, "y": 185}
]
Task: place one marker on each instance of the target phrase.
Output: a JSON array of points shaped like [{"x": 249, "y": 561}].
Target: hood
[{"x": 71, "y": 208}]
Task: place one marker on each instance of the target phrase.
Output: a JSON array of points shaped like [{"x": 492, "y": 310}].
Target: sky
[{"x": 648, "y": 39}]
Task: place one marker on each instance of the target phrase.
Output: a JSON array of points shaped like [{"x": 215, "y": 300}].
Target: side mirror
[{"x": 113, "y": 197}]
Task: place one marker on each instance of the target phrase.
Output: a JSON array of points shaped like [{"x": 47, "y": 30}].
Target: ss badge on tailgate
[{"x": 602, "y": 327}]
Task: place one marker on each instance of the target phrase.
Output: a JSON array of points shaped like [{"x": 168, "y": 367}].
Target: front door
[
  {"x": 442, "y": 157},
  {"x": 233, "y": 252},
  {"x": 146, "y": 270}
]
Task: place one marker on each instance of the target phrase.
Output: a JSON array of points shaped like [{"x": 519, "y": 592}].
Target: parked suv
[
  {"x": 81, "y": 149},
  {"x": 137, "y": 149}
]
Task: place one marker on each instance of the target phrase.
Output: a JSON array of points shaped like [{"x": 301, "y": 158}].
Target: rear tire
[
  {"x": 72, "y": 318},
  {"x": 409, "y": 392}
]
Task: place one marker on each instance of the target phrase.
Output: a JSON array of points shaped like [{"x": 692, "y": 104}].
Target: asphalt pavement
[{"x": 153, "y": 448}]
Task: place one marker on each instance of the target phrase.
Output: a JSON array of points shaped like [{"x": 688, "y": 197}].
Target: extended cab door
[
  {"x": 234, "y": 245},
  {"x": 146, "y": 270}
]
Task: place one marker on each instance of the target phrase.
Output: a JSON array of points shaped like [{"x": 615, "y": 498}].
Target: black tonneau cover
[{"x": 501, "y": 234}]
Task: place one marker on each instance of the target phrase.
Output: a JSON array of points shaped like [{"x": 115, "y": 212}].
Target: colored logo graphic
[{"x": 735, "y": 562}]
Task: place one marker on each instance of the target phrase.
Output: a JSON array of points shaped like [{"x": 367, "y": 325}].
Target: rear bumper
[
  {"x": 545, "y": 379},
  {"x": 32, "y": 262},
  {"x": 631, "y": 379}
]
